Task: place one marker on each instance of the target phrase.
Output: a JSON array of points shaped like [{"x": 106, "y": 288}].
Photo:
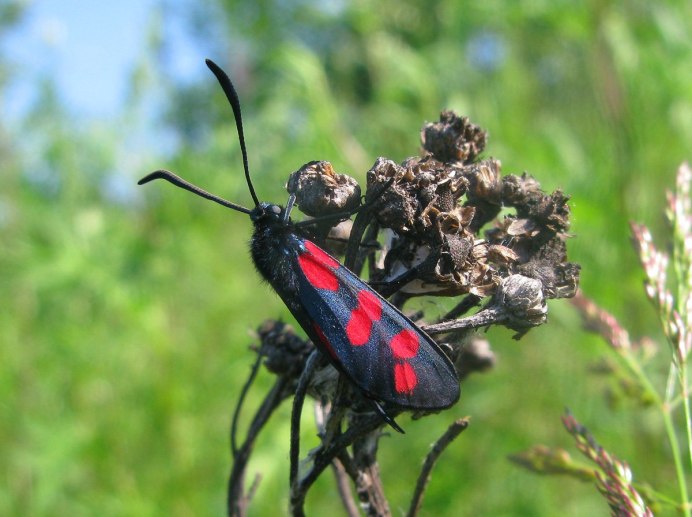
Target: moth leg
[
  {"x": 389, "y": 287},
  {"x": 380, "y": 411}
]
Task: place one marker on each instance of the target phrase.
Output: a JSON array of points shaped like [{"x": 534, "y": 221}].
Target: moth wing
[{"x": 371, "y": 341}]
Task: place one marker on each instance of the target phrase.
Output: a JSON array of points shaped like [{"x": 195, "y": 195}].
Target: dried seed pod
[
  {"x": 320, "y": 190},
  {"x": 453, "y": 138},
  {"x": 397, "y": 208},
  {"x": 284, "y": 351},
  {"x": 522, "y": 298},
  {"x": 434, "y": 210}
]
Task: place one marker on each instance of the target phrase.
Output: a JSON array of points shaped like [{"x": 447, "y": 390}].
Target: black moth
[{"x": 379, "y": 349}]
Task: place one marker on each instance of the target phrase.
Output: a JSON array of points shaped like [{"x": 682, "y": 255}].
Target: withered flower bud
[
  {"x": 522, "y": 298},
  {"x": 320, "y": 190},
  {"x": 485, "y": 182},
  {"x": 285, "y": 352},
  {"x": 422, "y": 189},
  {"x": 519, "y": 190},
  {"x": 453, "y": 138},
  {"x": 398, "y": 207},
  {"x": 525, "y": 194}
]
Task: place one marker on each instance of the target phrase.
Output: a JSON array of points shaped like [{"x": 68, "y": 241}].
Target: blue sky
[{"x": 88, "y": 48}]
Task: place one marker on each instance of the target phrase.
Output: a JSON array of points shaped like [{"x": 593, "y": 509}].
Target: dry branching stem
[
  {"x": 438, "y": 448},
  {"x": 426, "y": 216}
]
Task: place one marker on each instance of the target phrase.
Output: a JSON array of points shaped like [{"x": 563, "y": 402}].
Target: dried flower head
[
  {"x": 453, "y": 138},
  {"x": 320, "y": 190},
  {"x": 436, "y": 220},
  {"x": 283, "y": 350}
]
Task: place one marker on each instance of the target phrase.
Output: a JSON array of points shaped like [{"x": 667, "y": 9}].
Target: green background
[{"x": 125, "y": 326}]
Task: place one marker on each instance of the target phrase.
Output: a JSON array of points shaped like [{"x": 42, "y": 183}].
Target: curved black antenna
[
  {"x": 180, "y": 182},
  {"x": 233, "y": 99}
]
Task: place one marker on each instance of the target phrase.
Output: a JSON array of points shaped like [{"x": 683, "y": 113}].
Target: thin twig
[
  {"x": 237, "y": 501},
  {"x": 347, "y": 462},
  {"x": 325, "y": 454},
  {"x": 366, "y": 254},
  {"x": 438, "y": 448},
  {"x": 491, "y": 315},
  {"x": 337, "y": 410},
  {"x": 344, "y": 488},
  {"x": 342, "y": 464},
  {"x": 360, "y": 223},
  {"x": 369, "y": 483},
  {"x": 296, "y": 412},
  {"x": 239, "y": 405}
]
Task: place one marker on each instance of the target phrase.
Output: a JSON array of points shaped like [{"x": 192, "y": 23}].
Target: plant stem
[
  {"x": 666, "y": 413},
  {"x": 686, "y": 409}
]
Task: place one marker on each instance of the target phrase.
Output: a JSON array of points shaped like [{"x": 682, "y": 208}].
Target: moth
[{"x": 382, "y": 352}]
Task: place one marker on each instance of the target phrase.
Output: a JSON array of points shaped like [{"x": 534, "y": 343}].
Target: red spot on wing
[
  {"x": 405, "y": 344},
  {"x": 369, "y": 303},
  {"x": 358, "y": 328},
  {"x": 318, "y": 267},
  {"x": 405, "y": 378},
  {"x": 360, "y": 323},
  {"x": 321, "y": 255},
  {"x": 324, "y": 341}
]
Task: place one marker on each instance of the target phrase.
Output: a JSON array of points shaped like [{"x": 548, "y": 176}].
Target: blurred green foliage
[{"x": 127, "y": 315}]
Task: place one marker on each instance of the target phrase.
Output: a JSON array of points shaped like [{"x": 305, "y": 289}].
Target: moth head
[{"x": 267, "y": 212}]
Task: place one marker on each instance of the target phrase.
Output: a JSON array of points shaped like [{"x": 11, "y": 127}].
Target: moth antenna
[
  {"x": 180, "y": 182},
  {"x": 289, "y": 207},
  {"x": 233, "y": 99}
]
